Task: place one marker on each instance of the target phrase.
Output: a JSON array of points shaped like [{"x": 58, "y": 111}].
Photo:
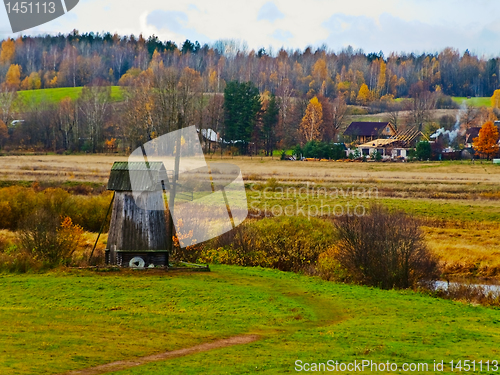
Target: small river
[{"x": 443, "y": 285}]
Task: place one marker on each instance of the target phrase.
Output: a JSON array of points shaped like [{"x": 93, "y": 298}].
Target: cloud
[
  {"x": 393, "y": 34},
  {"x": 172, "y": 20},
  {"x": 388, "y": 25},
  {"x": 282, "y": 35},
  {"x": 270, "y": 12},
  {"x": 176, "y": 22}
]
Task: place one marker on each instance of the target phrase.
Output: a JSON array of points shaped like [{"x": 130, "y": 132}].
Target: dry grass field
[
  {"x": 460, "y": 200},
  {"x": 96, "y": 168}
]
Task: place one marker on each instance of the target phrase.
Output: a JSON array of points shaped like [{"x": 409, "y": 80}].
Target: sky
[{"x": 382, "y": 25}]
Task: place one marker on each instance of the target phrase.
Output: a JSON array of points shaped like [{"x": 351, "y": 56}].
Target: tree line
[
  {"x": 251, "y": 100},
  {"x": 77, "y": 59}
]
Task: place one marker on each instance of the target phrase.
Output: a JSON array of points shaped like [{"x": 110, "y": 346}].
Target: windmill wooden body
[{"x": 138, "y": 229}]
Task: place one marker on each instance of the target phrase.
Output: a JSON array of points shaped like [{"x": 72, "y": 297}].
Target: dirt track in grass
[{"x": 122, "y": 365}]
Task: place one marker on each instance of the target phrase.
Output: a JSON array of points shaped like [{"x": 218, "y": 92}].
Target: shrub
[
  {"x": 284, "y": 243},
  {"x": 297, "y": 151},
  {"x": 377, "y": 156},
  {"x": 384, "y": 249},
  {"x": 329, "y": 268},
  {"x": 424, "y": 151},
  {"x": 18, "y": 202},
  {"x": 323, "y": 150},
  {"x": 18, "y": 261},
  {"x": 49, "y": 238}
]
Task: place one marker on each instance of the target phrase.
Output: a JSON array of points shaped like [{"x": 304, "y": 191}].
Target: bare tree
[
  {"x": 94, "y": 105},
  {"x": 339, "y": 115},
  {"x": 384, "y": 249},
  {"x": 420, "y": 106},
  {"x": 66, "y": 118},
  {"x": 7, "y": 98}
]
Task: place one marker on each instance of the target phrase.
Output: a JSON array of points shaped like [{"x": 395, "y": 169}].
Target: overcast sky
[{"x": 373, "y": 25}]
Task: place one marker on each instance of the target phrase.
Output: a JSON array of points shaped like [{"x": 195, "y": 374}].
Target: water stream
[{"x": 444, "y": 285}]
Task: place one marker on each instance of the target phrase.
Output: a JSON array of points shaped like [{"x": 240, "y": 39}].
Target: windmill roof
[{"x": 145, "y": 176}]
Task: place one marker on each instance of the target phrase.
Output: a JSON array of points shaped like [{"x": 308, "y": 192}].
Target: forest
[{"x": 160, "y": 80}]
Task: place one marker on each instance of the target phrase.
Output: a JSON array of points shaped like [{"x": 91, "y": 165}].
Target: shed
[{"x": 138, "y": 229}]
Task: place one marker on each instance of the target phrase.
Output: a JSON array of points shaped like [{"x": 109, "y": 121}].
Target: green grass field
[
  {"x": 66, "y": 321},
  {"x": 475, "y": 102},
  {"x": 53, "y": 96}
]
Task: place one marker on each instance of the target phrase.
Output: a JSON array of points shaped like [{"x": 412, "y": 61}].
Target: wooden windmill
[{"x": 138, "y": 229}]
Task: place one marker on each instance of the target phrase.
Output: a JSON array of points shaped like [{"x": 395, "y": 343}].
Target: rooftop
[
  {"x": 145, "y": 176},
  {"x": 359, "y": 128}
]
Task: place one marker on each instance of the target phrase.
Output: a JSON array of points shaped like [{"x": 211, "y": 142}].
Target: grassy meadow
[
  {"x": 475, "y": 102},
  {"x": 69, "y": 320},
  {"x": 55, "y": 95}
]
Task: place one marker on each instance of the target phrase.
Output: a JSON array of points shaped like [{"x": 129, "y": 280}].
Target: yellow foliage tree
[
  {"x": 487, "y": 141},
  {"x": 364, "y": 95},
  {"x": 381, "y": 77},
  {"x": 7, "y": 52},
  {"x": 4, "y": 133},
  {"x": 13, "y": 77},
  {"x": 320, "y": 70},
  {"x": 312, "y": 121},
  {"x": 33, "y": 82},
  {"x": 495, "y": 99}
]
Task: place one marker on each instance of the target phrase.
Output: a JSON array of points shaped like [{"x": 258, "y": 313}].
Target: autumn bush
[
  {"x": 383, "y": 249},
  {"x": 17, "y": 261},
  {"x": 284, "y": 243},
  {"x": 12, "y": 259},
  {"x": 49, "y": 238},
  {"x": 17, "y": 203}
]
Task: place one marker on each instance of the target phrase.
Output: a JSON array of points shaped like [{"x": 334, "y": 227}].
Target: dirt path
[{"x": 122, "y": 365}]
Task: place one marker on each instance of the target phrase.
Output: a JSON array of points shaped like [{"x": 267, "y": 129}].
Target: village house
[
  {"x": 394, "y": 146},
  {"x": 362, "y": 132}
]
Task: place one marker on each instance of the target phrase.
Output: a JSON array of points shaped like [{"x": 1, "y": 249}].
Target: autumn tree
[
  {"x": 381, "y": 82},
  {"x": 312, "y": 121},
  {"x": 32, "y": 82},
  {"x": 13, "y": 77},
  {"x": 495, "y": 99},
  {"x": 139, "y": 122},
  {"x": 68, "y": 70},
  {"x": 487, "y": 141},
  {"x": 189, "y": 95},
  {"x": 4, "y": 134},
  {"x": 7, "y": 52},
  {"x": 364, "y": 95}
]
